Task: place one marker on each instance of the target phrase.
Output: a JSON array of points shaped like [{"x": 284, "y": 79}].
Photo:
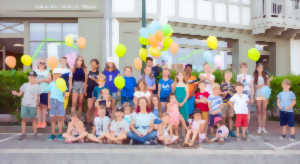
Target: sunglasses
[{"x": 42, "y": 63}]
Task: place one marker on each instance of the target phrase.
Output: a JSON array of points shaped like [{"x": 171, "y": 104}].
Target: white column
[{"x": 295, "y": 56}]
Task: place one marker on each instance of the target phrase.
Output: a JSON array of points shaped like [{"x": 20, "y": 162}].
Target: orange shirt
[{"x": 192, "y": 84}]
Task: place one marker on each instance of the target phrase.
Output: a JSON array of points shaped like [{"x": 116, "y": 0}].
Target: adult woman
[
  {"x": 79, "y": 85},
  {"x": 261, "y": 80},
  {"x": 141, "y": 91},
  {"x": 142, "y": 128}
]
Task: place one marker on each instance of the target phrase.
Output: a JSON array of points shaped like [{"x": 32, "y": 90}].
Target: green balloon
[
  {"x": 120, "y": 50},
  {"x": 167, "y": 42},
  {"x": 167, "y": 29},
  {"x": 119, "y": 82}
]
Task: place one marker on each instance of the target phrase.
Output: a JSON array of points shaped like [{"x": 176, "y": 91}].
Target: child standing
[
  {"x": 222, "y": 131},
  {"x": 165, "y": 132},
  {"x": 208, "y": 77},
  {"x": 101, "y": 125},
  {"x": 240, "y": 102},
  {"x": 182, "y": 96},
  {"x": 56, "y": 106},
  {"x": 43, "y": 79},
  {"x": 286, "y": 101},
  {"x": 79, "y": 86},
  {"x": 30, "y": 101},
  {"x": 98, "y": 89},
  {"x": 127, "y": 92},
  {"x": 66, "y": 74},
  {"x": 227, "y": 92},
  {"x": 196, "y": 128},
  {"x": 165, "y": 87},
  {"x": 149, "y": 79},
  {"x": 75, "y": 131},
  {"x": 215, "y": 102},
  {"x": 91, "y": 84},
  {"x": 118, "y": 128},
  {"x": 175, "y": 116},
  {"x": 201, "y": 99}
]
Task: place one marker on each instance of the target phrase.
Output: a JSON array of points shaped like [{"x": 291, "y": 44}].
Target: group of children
[{"x": 150, "y": 110}]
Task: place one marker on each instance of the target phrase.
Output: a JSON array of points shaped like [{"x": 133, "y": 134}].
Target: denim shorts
[
  {"x": 44, "y": 98},
  {"x": 78, "y": 87},
  {"x": 287, "y": 118},
  {"x": 28, "y": 112},
  {"x": 57, "y": 108},
  {"x": 162, "y": 99}
]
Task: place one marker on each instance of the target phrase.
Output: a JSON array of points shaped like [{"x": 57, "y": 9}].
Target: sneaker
[
  {"x": 22, "y": 137},
  {"x": 292, "y": 138},
  {"x": 52, "y": 137},
  {"x": 264, "y": 131},
  {"x": 60, "y": 137},
  {"x": 283, "y": 137},
  {"x": 259, "y": 130},
  {"x": 68, "y": 141}
]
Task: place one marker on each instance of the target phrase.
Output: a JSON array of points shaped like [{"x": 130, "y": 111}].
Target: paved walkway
[{"x": 258, "y": 149}]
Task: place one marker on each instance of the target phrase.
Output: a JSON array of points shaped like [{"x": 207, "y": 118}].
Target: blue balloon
[
  {"x": 265, "y": 92},
  {"x": 144, "y": 32},
  {"x": 153, "y": 27},
  {"x": 208, "y": 57}
]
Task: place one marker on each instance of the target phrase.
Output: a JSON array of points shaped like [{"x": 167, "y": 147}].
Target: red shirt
[{"x": 202, "y": 106}]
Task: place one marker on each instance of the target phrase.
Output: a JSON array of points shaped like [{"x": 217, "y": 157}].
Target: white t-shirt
[
  {"x": 139, "y": 94},
  {"x": 240, "y": 103},
  {"x": 30, "y": 94},
  {"x": 102, "y": 125},
  {"x": 247, "y": 81},
  {"x": 208, "y": 84},
  {"x": 118, "y": 126}
]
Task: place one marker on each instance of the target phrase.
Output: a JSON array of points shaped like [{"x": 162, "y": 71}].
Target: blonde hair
[
  {"x": 243, "y": 64},
  {"x": 101, "y": 77},
  {"x": 286, "y": 82},
  {"x": 216, "y": 86}
]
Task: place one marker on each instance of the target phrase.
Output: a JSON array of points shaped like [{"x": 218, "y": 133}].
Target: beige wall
[
  {"x": 283, "y": 57},
  {"x": 92, "y": 30}
]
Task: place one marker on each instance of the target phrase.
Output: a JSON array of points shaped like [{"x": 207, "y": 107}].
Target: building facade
[{"x": 273, "y": 26}]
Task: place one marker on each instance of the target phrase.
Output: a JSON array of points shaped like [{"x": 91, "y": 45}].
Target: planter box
[{"x": 8, "y": 118}]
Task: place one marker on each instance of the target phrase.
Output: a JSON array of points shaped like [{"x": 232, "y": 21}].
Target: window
[
  {"x": 40, "y": 32},
  {"x": 204, "y": 10},
  {"x": 220, "y": 12},
  {"x": 11, "y": 27},
  {"x": 234, "y": 14},
  {"x": 186, "y": 9}
]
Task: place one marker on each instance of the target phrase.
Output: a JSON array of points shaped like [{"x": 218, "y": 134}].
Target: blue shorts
[
  {"x": 212, "y": 119},
  {"x": 44, "y": 98},
  {"x": 162, "y": 99},
  {"x": 287, "y": 118},
  {"x": 57, "y": 108},
  {"x": 28, "y": 112}
]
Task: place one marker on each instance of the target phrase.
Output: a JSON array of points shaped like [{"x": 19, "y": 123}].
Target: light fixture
[{"x": 18, "y": 45}]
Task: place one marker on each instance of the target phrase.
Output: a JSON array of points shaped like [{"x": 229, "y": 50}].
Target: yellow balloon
[
  {"x": 69, "y": 41},
  {"x": 143, "y": 41},
  {"x": 119, "y": 82},
  {"x": 154, "y": 52},
  {"x": 143, "y": 54},
  {"x": 253, "y": 54},
  {"x": 212, "y": 42},
  {"x": 26, "y": 60},
  {"x": 61, "y": 84},
  {"x": 138, "y": 64}
]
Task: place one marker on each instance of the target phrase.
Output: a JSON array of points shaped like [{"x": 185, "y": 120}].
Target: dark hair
[
  {"x": 96, "y": 61},
  {"x": 149, "y": 59},
  {"x": 82, "y": 65},
  {"x": 138, "y": 110},
  {"x": 159, "y": 105},
  {"x": 145, "y": 85},
  {"x": 264, "y": 74},
  {"x": 65, "y": 58},
  {"x": 188, "y": 65}
]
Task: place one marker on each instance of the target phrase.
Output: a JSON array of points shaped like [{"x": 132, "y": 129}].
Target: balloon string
[{"x": 42, "y": 44}]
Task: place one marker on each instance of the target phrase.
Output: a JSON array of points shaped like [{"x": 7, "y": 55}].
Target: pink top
[
  {"x": 173, "y": 111},
  {"x": 196, "y": 124}
]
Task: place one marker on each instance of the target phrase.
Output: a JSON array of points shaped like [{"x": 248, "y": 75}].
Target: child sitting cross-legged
[
  {"x": 101, "y": 125},
  {"x": 165, "y": 132},
  {"x": 76, "y": 131},
  {"x": 118, "y": 128},
  {"x": 222, "y": 131},
  {"x": 127, "y": 112},
  {"x": 197, "y": 127}
]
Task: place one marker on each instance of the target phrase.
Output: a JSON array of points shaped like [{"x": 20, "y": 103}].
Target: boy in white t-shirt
[
  {"x": 208, "y": 77},
  {"x": 101, "y": 125},
  {"x": 240, "y": 105}
]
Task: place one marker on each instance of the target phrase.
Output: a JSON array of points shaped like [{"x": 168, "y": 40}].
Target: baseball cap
[
  {"x": 32, "y": 73},
  {"x": 57, "y": 71},
  {"x": 217, "y": 119}
]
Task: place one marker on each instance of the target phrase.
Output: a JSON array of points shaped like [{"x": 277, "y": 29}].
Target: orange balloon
[
  {"x": 52, "y": 62},
  {"x": 152, "y": 41},
  {"x": 174, "y": 48},
  {"x": 81, "y": 42},
  {"x": 159, "y": 35},
  {"x": 138, "y": 64},
  {"x": 11, "y": 61}
]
